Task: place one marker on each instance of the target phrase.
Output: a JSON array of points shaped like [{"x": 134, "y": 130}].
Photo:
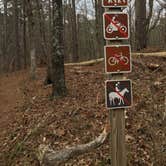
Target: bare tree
[
  {"x": 59, "y": 87},
  {"x": 5, "y": 34},
  {"x": 75, "y": 56},
  {"x": 24, "y": 34},
  {"x": 48, "y": 79},
  {"x": 144, "y": 24},
  {"x": 141, "y": 23},
  {"x": 31, "y": 26},
  {"x": 99, "y": 35},
  {"x": 17, "y": 47}
]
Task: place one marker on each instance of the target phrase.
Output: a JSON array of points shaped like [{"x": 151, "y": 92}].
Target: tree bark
[
  {"x": 59, "y": 87},
  {"x": 165, "y": 32},
  {"x": 49, "y": 79},
  {"x": 75, "y": 56},
  {"x": 42, "y": 27},
  {"x": 31, "y": 24},
  {"x": 5, "y": 36},
  {"x": 17, "y": 47},
  {"x": 140, "y": 24},
  {"x": 99, "y": 32},
  {"x": 24, "y": 34}
]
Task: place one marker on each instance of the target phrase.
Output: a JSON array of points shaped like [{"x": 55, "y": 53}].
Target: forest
[{"x": 83, "y": 82}]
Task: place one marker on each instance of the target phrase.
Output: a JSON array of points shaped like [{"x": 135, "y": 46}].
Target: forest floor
[{"x": 29, "y": 117}]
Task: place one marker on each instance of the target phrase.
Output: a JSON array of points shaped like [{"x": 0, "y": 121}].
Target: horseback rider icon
[
  {"x": 117, "y": 87},
  {"x": 118, "y": 93}
]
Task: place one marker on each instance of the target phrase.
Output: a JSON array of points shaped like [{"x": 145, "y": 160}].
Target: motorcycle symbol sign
[
  {"x": 117, "y": 59},
  {"x": 118, "y": 94},
  {"x": 115, "y": 3},
  {"x": 115, "y": 26}
]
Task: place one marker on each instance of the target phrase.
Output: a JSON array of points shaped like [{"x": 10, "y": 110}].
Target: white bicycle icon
[
  {"x": 118, "y": 58},
  {"x": 115, "y": 25}
]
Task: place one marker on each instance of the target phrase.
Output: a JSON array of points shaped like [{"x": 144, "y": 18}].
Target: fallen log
[
  {"x": 86, "y": 63},
  {"x": 155, "y": 54},
  {"x": 50, "y": 157},
  {"x": 96, "y": 61}
]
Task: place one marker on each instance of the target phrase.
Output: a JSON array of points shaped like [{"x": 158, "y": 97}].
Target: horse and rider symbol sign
[
  {"x": 115, "y": 3},
  {"x": 116, "y": 26},
  {"x": 117, "y": 59},
  {"x": 118, "y": 94}
]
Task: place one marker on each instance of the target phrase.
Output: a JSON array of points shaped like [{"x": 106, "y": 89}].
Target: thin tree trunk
[
  {"x": 59, "y": 87},
  {"x": 31, "y": 24},
  {"x": 130, "y": 22},
  {"x": 17, "y": 50},
  {"x": 165, "y": 32},
  {"x": 74, "y": 34},
  {"x": 5, "y": 36},
  {"x": 42, "y": 27},
  {"x": 48, "y": 79},
  {"x": 99, "y": 35},
  {"x": 140, "y": 24},
  {"x": 24, "y": 34}
]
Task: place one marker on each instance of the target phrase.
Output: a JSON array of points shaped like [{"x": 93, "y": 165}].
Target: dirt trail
[{"x": 10, "y": 98}]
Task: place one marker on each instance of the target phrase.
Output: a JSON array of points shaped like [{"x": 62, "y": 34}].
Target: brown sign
[
  {"x": 116, "y": 26},
  {"x": 117, "y": 59},
  {"x": 115, "y": 3},
  {"x": 118, "y": 94}
]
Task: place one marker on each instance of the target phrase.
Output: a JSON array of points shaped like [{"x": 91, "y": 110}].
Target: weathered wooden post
[{"x": 117, "y": 61}]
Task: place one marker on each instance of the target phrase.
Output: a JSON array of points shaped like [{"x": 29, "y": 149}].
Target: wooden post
[
  {"x": 118, "y": 153},
  {"x": 117, "y": 121}
]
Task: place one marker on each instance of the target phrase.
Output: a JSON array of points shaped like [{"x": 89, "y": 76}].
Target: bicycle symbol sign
[
  {"x": 115, "y": 26},
  {"x": 117, "y": 59},
  {"x": 115, "y": 3}
]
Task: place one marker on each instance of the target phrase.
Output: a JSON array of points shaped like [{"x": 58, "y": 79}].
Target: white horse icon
[{"x": 119, "y": 96}]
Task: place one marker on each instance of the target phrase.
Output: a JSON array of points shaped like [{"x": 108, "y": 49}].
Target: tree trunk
[
  {"x": 59, "y": 88},
  {"x": 5, "y": 36},
  {"x": 99, "y": 33},
  {"x": 49, "y": 79},
  {"x": 42, "y": 27},
  {"x": 165, "y": 32},
  {"x": 24, "y": 35},
  {"x": 75, "y": 56},
  {"x": 31, "y": 24},
  {"x": 17, "y": 50},
  {"x": 140, "y": 24}
]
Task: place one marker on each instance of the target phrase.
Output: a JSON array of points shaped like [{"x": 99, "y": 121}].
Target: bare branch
[
  {"x": 49, "y": 157},
  {"x": 156, "y": 20},
  {"x": 151, "y": 3},
  {"x": 162, "y": 3}
]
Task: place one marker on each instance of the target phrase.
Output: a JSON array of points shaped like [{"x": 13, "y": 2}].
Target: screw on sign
[
  {"x": 117, "y": 59},
  {"x": 116, "y": 26},
  {"x": 118, "y": 94},
  {"x": 115, "y": 3}
]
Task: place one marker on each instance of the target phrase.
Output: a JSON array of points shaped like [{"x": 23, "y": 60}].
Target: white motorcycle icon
[{"x": 115, "y": 26}]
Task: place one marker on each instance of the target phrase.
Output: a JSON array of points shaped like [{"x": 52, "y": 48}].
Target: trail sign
[
  {"x": 117, "y": 59},
  {"x": 118, "y": 94},
  {"x": 116, "y": 26},
  {"x": 115, "y": 3}
]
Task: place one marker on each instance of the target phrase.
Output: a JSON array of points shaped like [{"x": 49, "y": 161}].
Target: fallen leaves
[{"x": 79, "y": 117}]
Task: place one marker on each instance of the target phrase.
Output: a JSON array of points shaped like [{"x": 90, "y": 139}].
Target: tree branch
[
  {"x": 49, "y": 157},
  {"x": 156, "y": 20}
]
